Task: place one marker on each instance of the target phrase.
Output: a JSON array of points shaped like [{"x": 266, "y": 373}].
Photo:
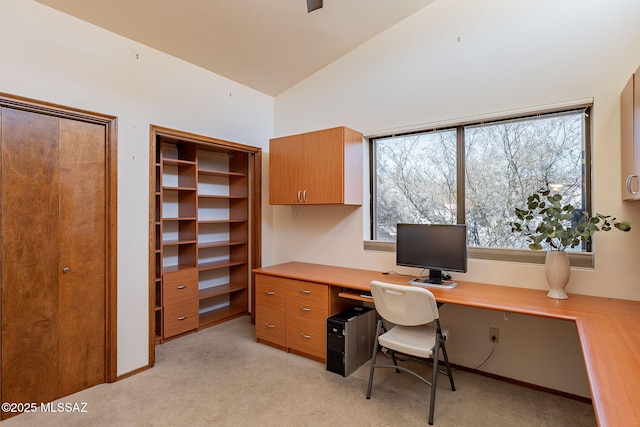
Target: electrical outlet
[{"x": 494, "y": 335}]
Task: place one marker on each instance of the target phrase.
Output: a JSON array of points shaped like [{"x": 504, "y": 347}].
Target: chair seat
[{"x": 418, "y": 341}]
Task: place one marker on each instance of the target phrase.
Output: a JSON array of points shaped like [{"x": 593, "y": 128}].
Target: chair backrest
[{"x": 403, "y": 304}]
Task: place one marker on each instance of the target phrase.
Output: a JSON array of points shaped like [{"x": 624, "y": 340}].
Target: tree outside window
[{"x": 415, "y": 176}]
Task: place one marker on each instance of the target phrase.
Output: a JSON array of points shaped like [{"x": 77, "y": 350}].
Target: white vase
[{"x": 558, "y": 270}]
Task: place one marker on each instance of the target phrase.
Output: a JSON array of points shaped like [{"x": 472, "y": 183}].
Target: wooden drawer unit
[
  {"x": 270, "y": 309},
  {"x": 307, "y": 301},
  {"x": 307, "y": 336},
  {"x": 292, "y": 314},
  {"x": 180, "y": 302},
  {"x": 307, "y": 308},
  {"x": 180, "y": 317},
  {"x": 180, "y": 286}
]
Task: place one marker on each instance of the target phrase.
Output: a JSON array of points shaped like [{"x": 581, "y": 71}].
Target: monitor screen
[{"x": 436, "y": 247}]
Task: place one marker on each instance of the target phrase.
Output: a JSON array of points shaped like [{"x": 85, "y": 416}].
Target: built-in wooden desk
[{"x": 609, "y": 329}]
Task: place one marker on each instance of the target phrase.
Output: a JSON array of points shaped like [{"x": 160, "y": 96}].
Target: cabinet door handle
[
  {"x": 299, "y": 198},
  {"x": 308, "y": 337},
  {"x": 629, "y": 181},
  {"x": 269, "y": 326},
  {"x": 305, "y": 291},
  {"x": 304, "y": 195},
  {"x": 305, "y": 309},
  {"x": 182, "y": 317},
  {"x": 182, "y": 286},
  {"x": 269, "y": 292}
]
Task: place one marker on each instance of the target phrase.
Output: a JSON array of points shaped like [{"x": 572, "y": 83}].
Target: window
[{"x": 477, "y": 173}]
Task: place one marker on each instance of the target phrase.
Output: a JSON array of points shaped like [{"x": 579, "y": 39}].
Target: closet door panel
[
  {"x": 82, "y": 249},
  {"x": 29, "y": 256}
]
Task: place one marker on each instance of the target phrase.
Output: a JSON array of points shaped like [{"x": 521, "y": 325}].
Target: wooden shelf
[
  {"x": 178, "y": 242},
  {"x": 211, "y": 172},
  {"x": 181, "y": 188},
  {"x": 170, "y": 161},
  {"x": 217, "y": 196},
  {"x": 222, "y": 221},
  {"x": 172, "y": 268},
  {"x": 218, "y": 264},
  {"x": 202, "y": 205},
  {"x": 220, "y": 315},
  {"x": 221, "y": 244},
  {"x": 182, "y": 218},
  {"x": 216, "y": 291}
]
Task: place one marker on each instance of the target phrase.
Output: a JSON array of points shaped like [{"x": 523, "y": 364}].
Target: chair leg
[
  {"x": 373, "y": 358},
  {"x": 395, "y": 361},
  {"x": 446, "y": 362},
  {"x": 434, "y": 381}
]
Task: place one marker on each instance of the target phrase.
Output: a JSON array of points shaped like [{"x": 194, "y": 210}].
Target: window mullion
[{"x": 460, "y": 175}]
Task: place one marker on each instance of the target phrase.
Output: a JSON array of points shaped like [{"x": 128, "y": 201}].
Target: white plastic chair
[{"x": 414, "y": 312}]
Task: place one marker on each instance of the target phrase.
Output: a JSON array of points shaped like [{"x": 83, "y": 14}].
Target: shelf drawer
[
  {"x": 270, "y": 309},
  {"x": 310, "y": 292},
  {"x": 180, "y": 317},
  {"x": 180, "y": 286},
  {"x": 305, "y": 309},
  {"x": 309, "y": 337}
]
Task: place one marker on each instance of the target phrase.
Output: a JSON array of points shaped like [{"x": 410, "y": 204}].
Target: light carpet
[{"x": 222, "y": 377}]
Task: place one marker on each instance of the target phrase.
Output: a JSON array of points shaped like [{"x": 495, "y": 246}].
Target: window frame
[{"x": 577, "y": 259}]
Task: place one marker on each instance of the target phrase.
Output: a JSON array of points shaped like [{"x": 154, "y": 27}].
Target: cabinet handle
[
  {"x": 308, "y": 337},
  {"x": 66, "y": 270},
  {"x": 304, "y": 195},
  {"x": 269, "y": 326},
  {"x": 299, "y": 198},
  {"x": 305, "y": 291},
  {"x": 269, "y": 292},
  {"x": 182, "y": 317},
  {"x": 629, "y": 181},
  {"x": 305, "y": 309},
  {"x": 182, "y": 286}
]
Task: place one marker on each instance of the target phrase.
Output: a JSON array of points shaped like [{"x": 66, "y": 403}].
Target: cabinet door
[
  {"x": 285, "y": 172},
  {"x": 630, "y": 132},
  {"x": 323, "y": 166}
]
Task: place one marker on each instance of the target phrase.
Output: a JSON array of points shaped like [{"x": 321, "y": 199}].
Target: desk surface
[{"x": 609, "y": 329}]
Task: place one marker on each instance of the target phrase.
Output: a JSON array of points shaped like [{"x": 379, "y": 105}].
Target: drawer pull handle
[
  {"x": 182, "y": 317},
  {"x": 305, "y": 309},
  {"x": 307, "y": 337},
  {"x": 182, "y": 286},
  {"x": 269, "y": 292},
  {"x": 269, "y": 326},
  {"x": 305, "y": 291}
]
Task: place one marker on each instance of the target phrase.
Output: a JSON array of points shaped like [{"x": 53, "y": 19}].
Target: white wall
[
  {"x": 458, "y": 59},
  {"x": 53, "y": 57}
]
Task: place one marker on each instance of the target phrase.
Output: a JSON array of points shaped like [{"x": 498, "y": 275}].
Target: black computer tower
[{"x": 350, "y": 336}]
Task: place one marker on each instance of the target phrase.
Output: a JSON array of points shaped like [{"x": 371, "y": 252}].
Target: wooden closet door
[
  {"x": 53, "y": 209},
  {"x": 29, "y": 257},
  {"x": 82, "y": 306}
]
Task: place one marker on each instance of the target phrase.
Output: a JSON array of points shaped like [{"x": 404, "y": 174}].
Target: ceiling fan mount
[{"x": 313, "y": 5}]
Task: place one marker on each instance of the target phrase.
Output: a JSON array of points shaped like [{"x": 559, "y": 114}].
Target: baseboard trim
[
  {"x": 524, "y": 384},
  {"x": 134, "y": 372}
]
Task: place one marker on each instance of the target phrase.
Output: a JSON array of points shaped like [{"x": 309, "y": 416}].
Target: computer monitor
[{"x": 437, "y": 247}]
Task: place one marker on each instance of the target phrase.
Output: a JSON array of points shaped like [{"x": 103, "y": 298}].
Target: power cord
[{"x": 493, "y": 348}]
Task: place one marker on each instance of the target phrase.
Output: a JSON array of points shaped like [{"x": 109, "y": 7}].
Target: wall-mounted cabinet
[
  {"x": 206, "y": 230},
  {"x": 630, "y": 121},
  {"x": 321, "y": 167}
]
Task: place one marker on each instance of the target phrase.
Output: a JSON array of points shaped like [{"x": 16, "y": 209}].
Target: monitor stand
[{"x": 445, "y": 284}]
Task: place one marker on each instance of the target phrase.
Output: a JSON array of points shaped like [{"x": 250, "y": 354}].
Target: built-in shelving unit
[{"x": 206, "y": 230}]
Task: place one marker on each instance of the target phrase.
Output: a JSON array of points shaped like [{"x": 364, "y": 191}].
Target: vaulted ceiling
[{"x": 268, "y": 45}]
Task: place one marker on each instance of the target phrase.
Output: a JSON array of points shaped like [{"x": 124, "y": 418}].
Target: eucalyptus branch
[{"x": 545, "y": 220}]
